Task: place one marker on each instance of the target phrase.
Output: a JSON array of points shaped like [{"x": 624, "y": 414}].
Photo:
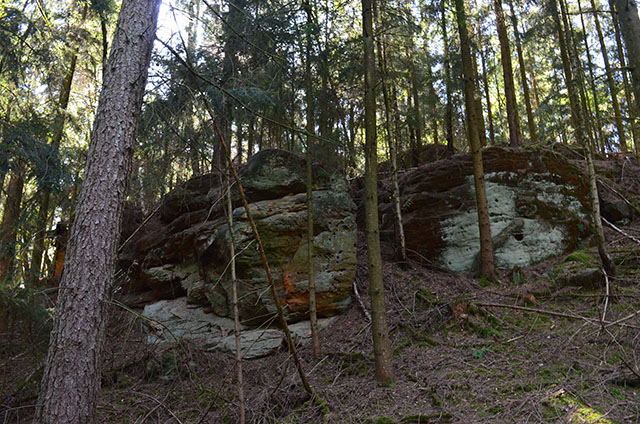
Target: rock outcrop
[
  {"x": 184, "y": 248},
  {"x": 537, "y": 205}
]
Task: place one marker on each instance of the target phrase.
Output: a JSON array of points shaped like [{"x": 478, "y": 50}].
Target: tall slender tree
[
  {"x": 630, "y": 28},
  {"x": 523, "y": 74},
  {"x": 613, "y": 92},
  {"x": 484, "y": 224},
  {"x": 71, "y": 377},
  {"x": 515, "y": 135},
  {"x": 381, "y": 343}
]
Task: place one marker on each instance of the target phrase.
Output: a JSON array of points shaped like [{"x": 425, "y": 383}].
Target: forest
[{"x": 328, "y": 211}]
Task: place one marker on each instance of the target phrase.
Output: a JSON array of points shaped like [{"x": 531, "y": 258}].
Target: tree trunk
[
  {"x": 381, "y": 343},
  {"x": 448, "y": 113},
  {"x": 568, "y": 74},
  {"x": 392, "y": 136},
  {"x": 45, "y": 193},
  {"x": 313, "y": 312},
  {"x": 523, "y": 76},
  {"x": 484, "y": 225},
  {"x": 610, "y": 83},
  {"x": 631, "y": 110},
  {"x": 630, "y": 29},
  {"x": 485, "y": 81},
  {"x": 234, "y": 296},
  {"x": 71, "y": 378},
  {"x": 592, "y": 81},
  {"x": 608, "y": 265},
  {"x": 10, "y": 222},
  {"x": 477, "y": 96},
  {"x": 515, "y": 136},
  {"x": 583, "y": 128}
]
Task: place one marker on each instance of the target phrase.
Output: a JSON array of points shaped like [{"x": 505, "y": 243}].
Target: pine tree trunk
[
  {"x": 45, "y": 193},
  {"x": 484, "y": 224},
  {"x": 71, "y": 378},
  {"x": 313, "y": 312},
  {"x": 381, "y": 343},
  {"x": 610, "y": 83},
  {"x": 631, "y": 108},
  {"x": 515, "y": 136},
  {"x": 10, "y": 222},
  {"x": 627, "y": 11},
  {"x": 568, "y": 74},
  {"x": 234, "y": 297},
  {"x": 485, "y": 84},
  {"x": 523, "y": 76},
  {"x": 477, "y": 96},
  {"x": 592, "y": 82},
  {"x": 448, "y": 113}
]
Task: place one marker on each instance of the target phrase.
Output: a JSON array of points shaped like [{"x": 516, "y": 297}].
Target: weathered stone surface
[
  {"x": 537, "y": 205},
  {"x": 185, "y": 250},
  {"x": 173, "y": 320}
]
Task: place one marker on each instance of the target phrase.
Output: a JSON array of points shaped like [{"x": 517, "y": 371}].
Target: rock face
[
  {"x": 173, "y": 320},
  {"x": 537, "y": 205},
  {"x": 184, "y": 248}
]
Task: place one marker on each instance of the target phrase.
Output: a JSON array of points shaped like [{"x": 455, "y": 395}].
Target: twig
[
  {"x": 629, "y": 236},
  {"x": 630, "y": 368},
  {"x": 148, "y": 414},
  {"x": 606, "y": 299},
  {"x": 364, "y": 310},
  {"x": 563, "y": 315},
  {"x": 607, "y": 185},
  {"x": 161, "y": 404},
  {"x": 139, "y": 227},
  {"x": 618, "y": 322}
]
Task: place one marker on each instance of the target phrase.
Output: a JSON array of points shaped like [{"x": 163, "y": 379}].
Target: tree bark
[
  {"x": 234, "y": 296},
  {"x": 630, "y": 28},
  {"x": 10, "y": 222},
  {"x": 622, "y": 138},
  {"x": 515, "y": 136},
  {"x": 381, "y": 344},
  {"x": 45, "y": 193},
  {"x": 448, "y": 113},
  {"x": 592, "y": 83},
  {"x": 484, "y": 224},
  {"x": 313, "y": 312},
  {"x": 568, "y": 74},
  {"x": 631, "y": 110},
  {"x": 71, "y": 378},
  {"x": 485, "y": 81},
  {"x": 523, "y": 76}
]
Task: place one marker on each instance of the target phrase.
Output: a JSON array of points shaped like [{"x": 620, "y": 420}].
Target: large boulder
[
  {"x": 537, "y": 206},
  {"x": 184, "y": 248}
]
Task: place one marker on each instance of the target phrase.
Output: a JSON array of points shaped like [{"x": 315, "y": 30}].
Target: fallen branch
[
  {"x": 624, "y": 199},
  {"x": 563, "y": 315},
  {"x": 364, "y": 309},
  {"x": 160, "y": 403},
  {"x": 606, "y": 299},
  {"x": 147, "y": 219},
  {"x": 629, "y": 236}
]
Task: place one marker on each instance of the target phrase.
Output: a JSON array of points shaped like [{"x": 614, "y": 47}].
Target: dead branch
[
  {"x": 563, "y": 315},
  {"x": 629, "y": 236},
  {"x": 364, "y": 309}
]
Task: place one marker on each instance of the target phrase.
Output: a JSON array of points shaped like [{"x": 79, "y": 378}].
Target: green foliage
[{"x": 22, "y": 306}]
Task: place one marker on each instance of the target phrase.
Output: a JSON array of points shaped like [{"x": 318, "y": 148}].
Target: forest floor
[{"x": 465, "y": 350}]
